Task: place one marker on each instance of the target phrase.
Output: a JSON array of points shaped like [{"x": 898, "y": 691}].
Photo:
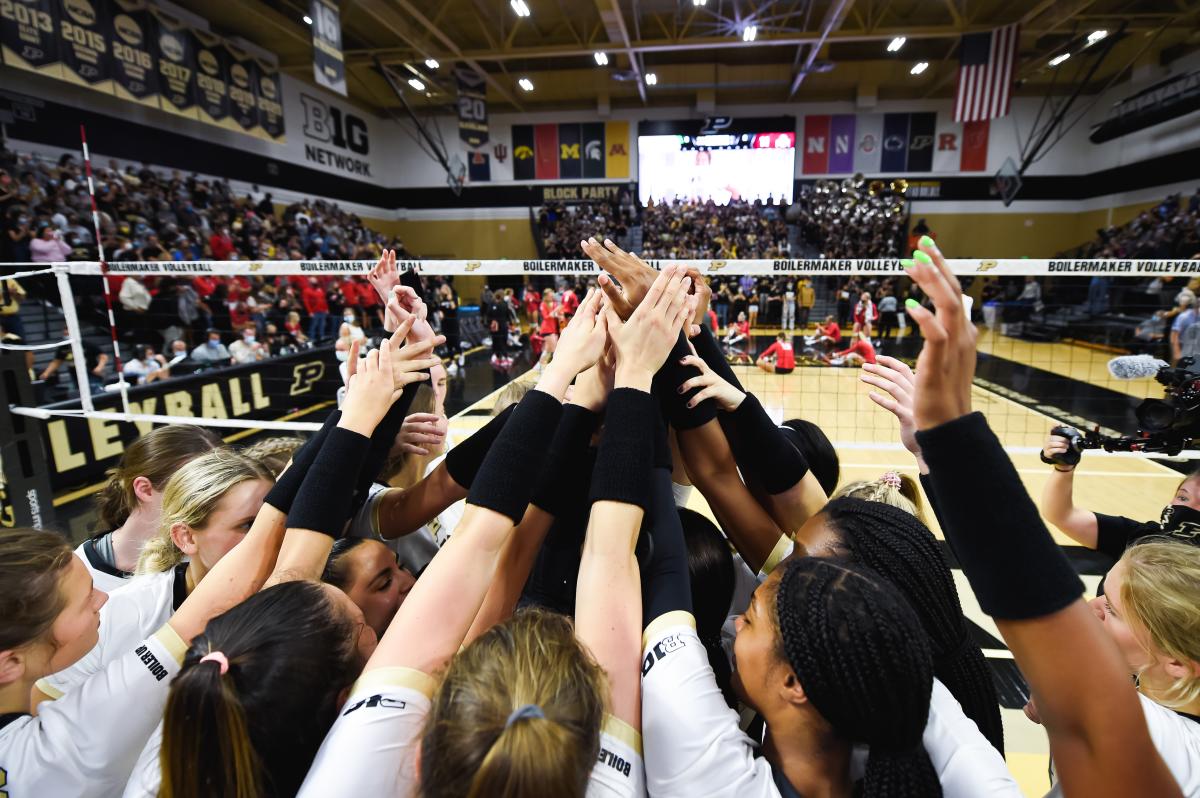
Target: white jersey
[
  {"x": 132, "y": 613},
  {"x": 966, "y": 763},
  {"x": 371, "y": 748},
  {"x": 146, "y": 777},
  {"x": 104, "y": 576},
  {"x": 1177, "y": 739},
  {"x": 86, "y": 743}
]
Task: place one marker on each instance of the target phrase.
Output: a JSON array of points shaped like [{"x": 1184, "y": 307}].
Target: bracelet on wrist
[{"x": 1066, "y": 470}]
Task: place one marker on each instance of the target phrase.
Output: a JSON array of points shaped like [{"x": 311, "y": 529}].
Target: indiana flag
[{"x": 985, "y": 74}]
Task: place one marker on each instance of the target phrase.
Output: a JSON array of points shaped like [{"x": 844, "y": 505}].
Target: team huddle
[{"x": 537, "y": 612}]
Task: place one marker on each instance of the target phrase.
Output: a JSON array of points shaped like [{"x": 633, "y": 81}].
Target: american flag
[{"x": 985, "y": 74}]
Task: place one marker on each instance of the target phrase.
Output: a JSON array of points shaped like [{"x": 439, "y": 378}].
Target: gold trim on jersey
[
  {"x": 395, "y": 677},
  {"x": 376, "y": 504},
  {"x": 782, "y": 548},
  {"x": 172, "y": 642},
  {"x": 666, "y": 621},
  {"x": 618, "y": 729},
  {"x": 50, "y": 690}
]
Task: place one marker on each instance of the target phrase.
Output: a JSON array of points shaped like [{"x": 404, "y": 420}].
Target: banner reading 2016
[{"x": 135, "y": 75}]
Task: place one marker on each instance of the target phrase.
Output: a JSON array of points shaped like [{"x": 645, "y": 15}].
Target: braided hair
[
  {"x": 903, "y": 551},
  {"x": 858, "y": 652}
]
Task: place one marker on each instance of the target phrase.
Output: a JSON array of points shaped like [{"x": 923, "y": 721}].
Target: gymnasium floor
[{"x": 1023, "y": 387}]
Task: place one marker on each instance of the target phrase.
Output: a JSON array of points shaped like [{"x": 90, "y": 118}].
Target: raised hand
[
  {"x": 946, "y": 365},
  {"x": 371, "y": 389},
  {"x": 581, "y": 343},
  {"x": 409, "y": 363},
  {"x": 897, "y": 380},
  {"x": 593, "y": 386},
  {"x": 385, "y": 276},
  {"x": 727, "y": 396},
  {"x": 421, "y": 430},
  {"x": 403, "y": 303},
  {"x": 703, "y": 293},
  {"x": 643, "y": 342},
  {"x": 634, "y": 275}
]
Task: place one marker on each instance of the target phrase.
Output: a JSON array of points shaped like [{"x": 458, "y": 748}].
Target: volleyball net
[{"x": 1048, "y": 329}]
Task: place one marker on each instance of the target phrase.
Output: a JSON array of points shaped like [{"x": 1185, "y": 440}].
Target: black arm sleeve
[
  {"x": 1015, "y": 568},
  {"x": 381, "y": 443},
  {"x": 464, "y": 460},
  {"x": 762, "y": 451},
  {"x": 563, "y": 481},
  {"x": 283, "y": 493},
  {"x": 673, "y": 403},
  {"x": 710, "y": 352},
  {"x": 505, "y": 480},
  {"x": 324, "y": 501},
  {"x": 627, "y": 451},
  {"x": 665, "y": 583}
]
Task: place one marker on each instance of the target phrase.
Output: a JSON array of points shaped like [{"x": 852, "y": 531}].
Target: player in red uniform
[
  {"x": 779, "y": 357},
  {"x": 551, "y": 314}
]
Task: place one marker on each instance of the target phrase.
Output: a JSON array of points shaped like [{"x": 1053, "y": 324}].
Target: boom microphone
[{"x": 1135, "y": 367}]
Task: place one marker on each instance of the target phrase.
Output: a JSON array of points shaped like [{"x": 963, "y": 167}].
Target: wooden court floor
[{"x": 868, "y": 444}]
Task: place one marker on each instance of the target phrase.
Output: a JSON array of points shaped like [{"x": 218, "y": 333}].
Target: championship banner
[
  {"x": 329, "y": 65},
  {"x": 212, "y": 80},
  {"x": 134, "y": 73},
  {"x": 243, "y": 100},
  {"x": 29, "y": 36},
  {"x": 176, "y": 58},
  {"x": 472, "y": 107},
  {"x": 80, "y": 449},
  {"x": 83, "y": 43},
  {"x": 270, "y": 101},
  {"x": 1002, "y": 267}
]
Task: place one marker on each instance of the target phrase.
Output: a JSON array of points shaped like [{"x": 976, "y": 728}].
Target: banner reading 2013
[{"x": 29, "y": 36}]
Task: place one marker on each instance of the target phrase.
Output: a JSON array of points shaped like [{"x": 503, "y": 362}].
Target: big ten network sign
[{"x": 335, "y": 137}]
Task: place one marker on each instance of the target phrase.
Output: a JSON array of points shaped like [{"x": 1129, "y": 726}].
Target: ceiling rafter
[{"x": 834, "y": 18}]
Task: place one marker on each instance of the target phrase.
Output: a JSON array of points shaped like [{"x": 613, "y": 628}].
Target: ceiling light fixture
[
  {"x": 432, "y": 63},
  {"x": 919, "y": 67},
  {"x": 895, "y": 44},
  {"x": 526, "y": 84},
  {"x": 1058, "y": 59},
  {"x": 307, "y": 19},
  {"x": 699, "y": 2},
  {"x": 601, "y": 58},
  {"x": 520, "y": 7},
  {"x": 750, "y": 33},
  {"x": 651, "y": 79},
  {"x": 416, "y": 84},
  {"x": 1096, "y": 36}
]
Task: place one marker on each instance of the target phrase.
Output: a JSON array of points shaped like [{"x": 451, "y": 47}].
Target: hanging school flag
[
  {"x": 921, "y": 127},
  {"x": 83, "y": 43},
  {"x": 270, "y": 101},
  {"x": 329, "y": 65},
  {"x": 522, "y": 153},
  {"x": 479, "y": 167},
  {"x": 616, "y": 157},
  {"x": 134, "y": 73},
  {"x": 593, "y": 149},
  {"x": 243, "y": 100},
  {"x": 29, "y": 36},
  {"x": 815, "y": 155},
  {"x": 545, "y": 151},
  {"x": 841, "y": 143},
  {"x": 895, "y": 143},
  {"x": 974, "y": 147},
  {"x": 868, "y": 143},
  {"x": 212, "y": 79},
  {"x": 570, "y": 152},
  {"x": 986, "y": 64},
  {"x": 472, "y": 107},
  {"x": 176, "y": 58}
]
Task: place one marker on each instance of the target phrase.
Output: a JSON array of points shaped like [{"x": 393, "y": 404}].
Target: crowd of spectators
[
  {"x": 741, "y": 229},
  {"x": 852, "y": 218},
  {"x": 1167, "y": 231},
  {"x": 561, "y": 227},
  {"x": 148, "y": 214}
]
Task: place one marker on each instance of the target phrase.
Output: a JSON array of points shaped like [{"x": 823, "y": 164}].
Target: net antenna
[{"x": 428, "y": 135}]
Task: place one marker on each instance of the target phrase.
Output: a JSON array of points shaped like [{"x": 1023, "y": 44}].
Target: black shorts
[{"x": 782, "y": 371}]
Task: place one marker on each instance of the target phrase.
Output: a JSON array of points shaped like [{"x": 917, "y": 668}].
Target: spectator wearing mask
[
  {"x": 247, "y": 349},
  {"x": 146, "y": 366},
  {"x": 212, "y": 352},
  {"x": 806, "y": 298},
  {"x": 49, "y": 246}
]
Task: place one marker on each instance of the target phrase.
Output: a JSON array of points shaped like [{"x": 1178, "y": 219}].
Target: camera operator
[{"x": 1111, "y": 534}]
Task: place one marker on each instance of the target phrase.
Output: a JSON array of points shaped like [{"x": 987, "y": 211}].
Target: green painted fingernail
[
  {"x": 926, "y": 241},
  {"x": 906, "y": 263},
  {"x": 921, "y": 256},
  {"x": 911, "y": 303}
]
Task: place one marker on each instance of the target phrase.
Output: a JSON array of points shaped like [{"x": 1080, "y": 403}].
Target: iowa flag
[{"x": 592, "y": 151}]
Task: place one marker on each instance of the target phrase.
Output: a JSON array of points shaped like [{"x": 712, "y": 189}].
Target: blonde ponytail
[{"x": 893, "y": 489}]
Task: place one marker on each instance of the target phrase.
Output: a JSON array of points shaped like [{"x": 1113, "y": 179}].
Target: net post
[
  {"x": 67, "y": 299},
  {"x": 27, "y": 499}
]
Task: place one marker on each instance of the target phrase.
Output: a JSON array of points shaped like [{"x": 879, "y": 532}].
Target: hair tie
[
  {"x": 219, "y": 658},
  {"x": 892, "y": 480},
  {"x": 524, "y": 713}
]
